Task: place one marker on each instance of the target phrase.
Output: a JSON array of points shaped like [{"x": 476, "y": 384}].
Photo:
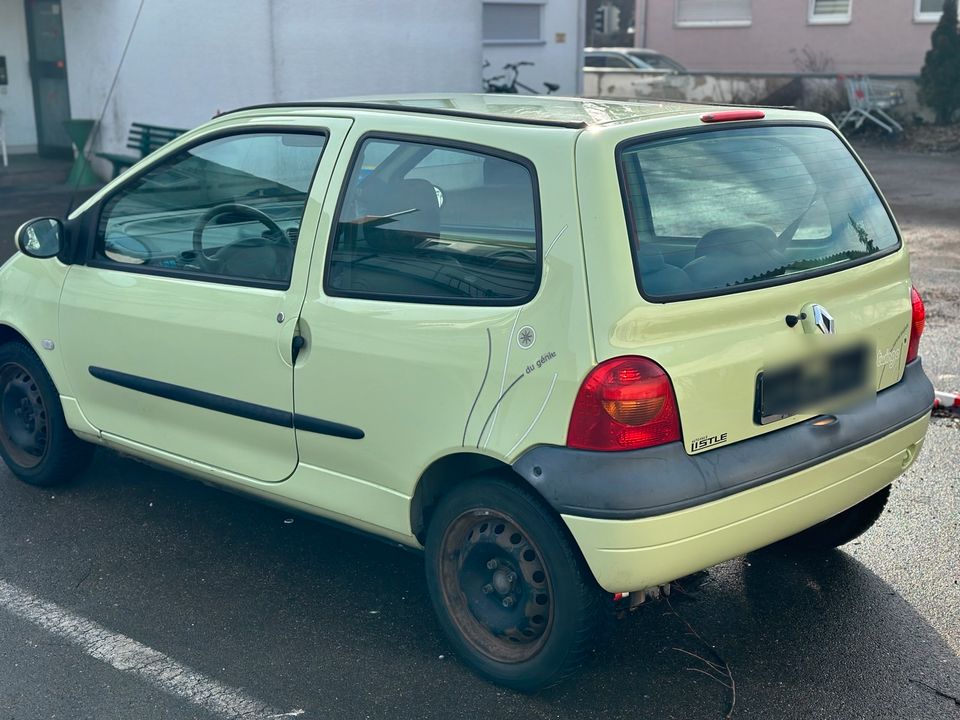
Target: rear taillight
[
  {"x": 916, "y": 324},
  {"x": 624, "y": 404}
]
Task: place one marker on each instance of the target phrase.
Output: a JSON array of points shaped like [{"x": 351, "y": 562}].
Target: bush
[{"x": 940, "y": 77}]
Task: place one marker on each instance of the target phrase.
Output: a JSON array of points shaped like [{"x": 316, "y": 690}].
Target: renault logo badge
[{"x": 822, "y": 320}]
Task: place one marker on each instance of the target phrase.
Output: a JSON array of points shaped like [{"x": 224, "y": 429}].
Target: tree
[{"x": 940, "y": 77}]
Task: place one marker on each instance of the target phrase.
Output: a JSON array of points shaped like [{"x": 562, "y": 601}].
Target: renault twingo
[{"x": 573, "y": 349}]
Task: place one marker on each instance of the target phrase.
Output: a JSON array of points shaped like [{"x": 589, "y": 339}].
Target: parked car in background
[
  {"x": 626, "y": 58},
  {"x": 571, "y": 349}
]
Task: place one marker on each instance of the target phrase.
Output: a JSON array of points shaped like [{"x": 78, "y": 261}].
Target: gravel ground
[
  {"x": 934, "y": 139},
  {"x": 924, "y": 192}
]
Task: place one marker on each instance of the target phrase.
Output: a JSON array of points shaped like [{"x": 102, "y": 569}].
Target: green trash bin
[{"x": 81, "y": 174}]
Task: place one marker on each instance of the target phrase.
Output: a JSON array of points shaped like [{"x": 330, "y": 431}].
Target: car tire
[
  {"x": 35, "y": 442},
  {"x": 842, "y": 528},
  {"x": 509, "y": 587}
]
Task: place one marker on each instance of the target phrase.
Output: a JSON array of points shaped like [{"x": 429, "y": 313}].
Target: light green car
[{"x": 573, "y": 349}]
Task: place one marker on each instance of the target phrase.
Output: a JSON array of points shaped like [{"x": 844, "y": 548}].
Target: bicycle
[{"x": 509, "y": 82}]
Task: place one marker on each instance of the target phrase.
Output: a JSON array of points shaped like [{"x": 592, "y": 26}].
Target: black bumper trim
[{"x": 664, "y": 479}]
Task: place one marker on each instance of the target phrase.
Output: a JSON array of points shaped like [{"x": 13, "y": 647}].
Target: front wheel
[
  {"x": 842, "y": 528},
  {"x": 35, "y": 442},
  {"x": 512, "y": 593}
]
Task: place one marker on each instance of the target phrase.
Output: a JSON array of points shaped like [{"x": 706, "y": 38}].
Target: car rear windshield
[{"x": 731, "y": 209}]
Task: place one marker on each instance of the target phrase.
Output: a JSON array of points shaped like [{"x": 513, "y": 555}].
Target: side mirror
[{"x": 40, "y": 238}]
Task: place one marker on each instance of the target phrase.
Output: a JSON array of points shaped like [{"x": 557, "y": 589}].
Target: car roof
[
  {"x": 565, "y": 112},
  {"x": 640, "y": 51}
]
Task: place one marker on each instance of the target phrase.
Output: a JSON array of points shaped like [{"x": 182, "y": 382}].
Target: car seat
[{"x": 729, "y": 255}]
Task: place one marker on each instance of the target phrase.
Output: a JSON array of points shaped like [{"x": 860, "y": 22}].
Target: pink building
[{"x": 889, "y": 37}]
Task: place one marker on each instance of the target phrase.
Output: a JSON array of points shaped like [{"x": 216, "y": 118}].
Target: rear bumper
[
  {"x": 630, "y": 555},
  {"x": 646, "y": 517},
  {"x": 665, "y": 479}
]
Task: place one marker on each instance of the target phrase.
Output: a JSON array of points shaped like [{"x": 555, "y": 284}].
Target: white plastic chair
[{"x": 869, "y": 100}]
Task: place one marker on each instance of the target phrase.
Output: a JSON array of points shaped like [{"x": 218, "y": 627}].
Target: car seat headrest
[
  {"x": 403, "y": 232},
  {"x": 746, "y": 239}
]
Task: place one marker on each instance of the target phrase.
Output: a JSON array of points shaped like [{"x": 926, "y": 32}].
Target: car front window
[
  {"x": 657, "y": 62},
  {"x": 229, "y": 208},
  {"x": 640, "y": 62}
]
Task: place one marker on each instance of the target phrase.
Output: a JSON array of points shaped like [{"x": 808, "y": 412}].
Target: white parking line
[{"x": 130, "y": 656}]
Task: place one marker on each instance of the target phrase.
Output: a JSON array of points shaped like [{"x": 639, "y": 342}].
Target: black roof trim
[
  {"x": 712, "y": 103},
  {"x": 571, "y": 124}
]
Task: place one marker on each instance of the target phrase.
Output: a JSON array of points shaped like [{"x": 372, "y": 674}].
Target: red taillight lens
[
  {"x": 624, "y": 404},
  {"x": 916, "y": 324}
]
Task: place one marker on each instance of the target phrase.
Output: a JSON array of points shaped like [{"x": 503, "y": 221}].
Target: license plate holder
[{"x": 807, "y": 385}]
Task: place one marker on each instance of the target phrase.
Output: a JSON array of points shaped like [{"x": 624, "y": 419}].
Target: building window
[
  {"x": 713, "y": 13},
  {"x": 512, "y": 22},
  {"x": 927, "y": 10},
  {"x": 829, "y": 12}
]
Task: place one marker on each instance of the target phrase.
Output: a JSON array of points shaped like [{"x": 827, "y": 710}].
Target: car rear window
[{"x": 730, "y": 209}]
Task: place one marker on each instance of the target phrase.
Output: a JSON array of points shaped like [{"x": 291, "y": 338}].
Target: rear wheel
[
  {"x": 35, "y": 442},
  {"x": 842, "y": 528},
  {"x": 510, "y": 590}
]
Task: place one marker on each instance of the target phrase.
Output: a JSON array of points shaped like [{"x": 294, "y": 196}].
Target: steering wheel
[{"x": 209, "y": 262}]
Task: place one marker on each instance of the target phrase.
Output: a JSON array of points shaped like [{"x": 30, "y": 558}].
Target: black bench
[{"x": 144, "y": 139}]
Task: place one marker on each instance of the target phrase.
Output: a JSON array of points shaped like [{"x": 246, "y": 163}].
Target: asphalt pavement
[{"x": 315, "y": 622}]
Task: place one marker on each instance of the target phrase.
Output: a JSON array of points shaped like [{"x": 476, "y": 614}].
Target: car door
[
  {"x": 428, "y": 326},
  {"x": 177, "y": 332}
]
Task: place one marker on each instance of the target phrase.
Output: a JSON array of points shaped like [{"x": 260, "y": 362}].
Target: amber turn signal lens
[
  {"x": 634, "y": 412},
  {"x": 625, "y": 403}
]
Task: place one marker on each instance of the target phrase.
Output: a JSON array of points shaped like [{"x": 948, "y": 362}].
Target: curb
[{"x": 946, "y": 401}]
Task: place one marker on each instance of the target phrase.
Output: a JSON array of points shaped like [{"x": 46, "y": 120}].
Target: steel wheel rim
[
  {"x": 495, "y": 585},
  {"x": 24, "y": 422}
]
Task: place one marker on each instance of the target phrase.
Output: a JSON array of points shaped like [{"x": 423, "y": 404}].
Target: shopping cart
[{"x": 870, "y": 100}]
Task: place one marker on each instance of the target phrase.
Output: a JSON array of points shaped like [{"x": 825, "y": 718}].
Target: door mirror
[{"x": 40, "y": 238}]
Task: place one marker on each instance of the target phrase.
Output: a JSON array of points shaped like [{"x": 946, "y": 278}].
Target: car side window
[
  {"x": 426, "y": 222},
  {"x": 226, "y": 210}
]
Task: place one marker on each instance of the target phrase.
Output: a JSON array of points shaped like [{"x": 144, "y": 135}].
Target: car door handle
[{"x": 299, "y": 342}]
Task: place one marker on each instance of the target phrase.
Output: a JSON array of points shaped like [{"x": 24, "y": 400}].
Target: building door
[{"x": 48, "y": 73}]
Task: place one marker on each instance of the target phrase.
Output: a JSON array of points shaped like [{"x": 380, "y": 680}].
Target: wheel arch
[
  {"x": 447, "y": 472},
  {"x": 9, "y": 333}
]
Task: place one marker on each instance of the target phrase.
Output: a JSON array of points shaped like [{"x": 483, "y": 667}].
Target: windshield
[
  {"x": 720, "y": 211},
  {"x": 640, "y": 62},
  {"x": 657, "y": 62}
]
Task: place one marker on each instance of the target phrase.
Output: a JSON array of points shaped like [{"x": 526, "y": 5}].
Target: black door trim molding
[{"x": 230, "y": 406}]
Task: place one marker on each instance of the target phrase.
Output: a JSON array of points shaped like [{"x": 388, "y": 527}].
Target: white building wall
[
  {"x": 188, "y": 59},
  {"x": 16, "y": 99},
  {"x": 369, "y": 47},
  {"x": 185, "y": 61}
]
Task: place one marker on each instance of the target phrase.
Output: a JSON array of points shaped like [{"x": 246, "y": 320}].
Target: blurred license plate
[{"x": 810, "y": 385}]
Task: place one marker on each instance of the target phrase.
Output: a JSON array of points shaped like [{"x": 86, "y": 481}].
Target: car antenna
[{"x": 106, "y": 104}]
